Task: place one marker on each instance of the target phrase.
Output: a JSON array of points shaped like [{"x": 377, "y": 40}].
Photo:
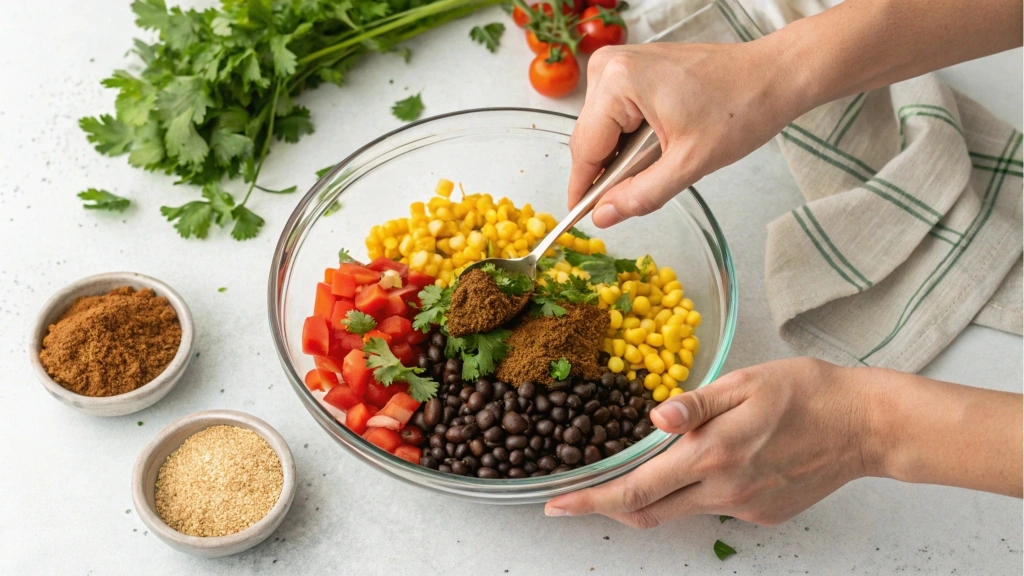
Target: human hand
[
  {"x": 709, "y": 104},
  {"x": 761, "y": 444}
]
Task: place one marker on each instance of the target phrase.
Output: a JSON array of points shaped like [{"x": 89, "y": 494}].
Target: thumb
[
  {"x": 686, "y": 412},
  {"x": 644, "y": 193}
]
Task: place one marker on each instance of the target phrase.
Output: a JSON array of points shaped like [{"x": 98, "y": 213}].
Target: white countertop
[{"x": 65, "y": 504}]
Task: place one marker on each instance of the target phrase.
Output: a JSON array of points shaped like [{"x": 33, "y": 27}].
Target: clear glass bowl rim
[{"x": 463, "y": 486}]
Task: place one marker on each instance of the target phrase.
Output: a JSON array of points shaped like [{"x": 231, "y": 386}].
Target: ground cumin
[
  {"x": 478, "y": 305},
  {"x": 111, "y": 344},
  {"x": 537, "y": 341}
]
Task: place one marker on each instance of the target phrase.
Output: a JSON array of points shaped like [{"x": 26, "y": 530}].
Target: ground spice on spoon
[{"x": 479, "y": 306}]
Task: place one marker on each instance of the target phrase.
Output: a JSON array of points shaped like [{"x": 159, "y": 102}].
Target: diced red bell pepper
[
  {"x": 350, "y": 341},
  {"x": 360, "y": 274},
  {"x": 384, "y": 263},
  {"x": 329, "y": 275},
  {"x": 381, "y": 421},
  {"x": 409, "y": 453},
  {"x": 317, "y": 379},
  {"x": 328, "y": 363},
  {"x": 383, "y": 438},
  {"x": 372, "y": 299},
  {"x": 340, "y": 310},
  {"x": 376, "y": 394},
  {"x": 342, "y": 397},
  {"x": 416, "y": 337},
  {"x": 405, "y": 354},
  {"x": 397, "y": 326},
  {"x": 421, "y": 279},
  {"x": 377, "y": 334},
  {"x": 358, "y": 416},
  {"x": 337, "y": 348},
  {"x": 408, "y": 293},
  {"x": 355, "y": 373},
  {"x": 316, "y": 336},
  {"x": 396, "y": 306},
  {"x": 400, "y": 407},
  {"x": 323, "y": 305},
  {"x": 412, "y": 436},
  {"x": 343, "y": 285}
]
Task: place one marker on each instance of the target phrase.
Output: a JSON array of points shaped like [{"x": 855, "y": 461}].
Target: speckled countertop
[{"x": 65, "y": 504}]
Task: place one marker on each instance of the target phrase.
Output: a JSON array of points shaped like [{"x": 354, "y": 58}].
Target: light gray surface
[{"x": 65, "y": 502}]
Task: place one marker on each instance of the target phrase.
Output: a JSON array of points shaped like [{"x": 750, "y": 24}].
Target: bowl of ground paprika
[{"x": 112, "y": 344}]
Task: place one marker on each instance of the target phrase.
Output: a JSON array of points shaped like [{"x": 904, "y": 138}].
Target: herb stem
[{"x": 266, "y": 143}]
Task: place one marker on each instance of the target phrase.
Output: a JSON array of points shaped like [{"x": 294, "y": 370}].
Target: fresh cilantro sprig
[
  {"x": 603, "y": 269},
  {"x": 434, "y": 302},
  {"x": 103, "y": 200},
  {"x": 574, "y": 231},
  {"x": 560, "y": 369},
  {"x": 408, "y": 109},
  {"x": 388, "y": 369},
  {"x": 623, "y": 304},
  {"x": 344, "y": 256},
  {"x": 488, "y": 35},
  {"x": 193, "y": 219},
  {"x": 511, "y": 283},
  {"x": 575, "y": 290},
  {"x": 479, "y": 352},
  {"x": 546, "y": 263},
  {"x": 723, "y": 550},
  {"x": 358, "y": 322}
]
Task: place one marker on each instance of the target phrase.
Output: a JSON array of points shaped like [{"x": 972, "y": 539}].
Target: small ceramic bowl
[
  {"x": 173, "y": 436},
  {"x": 143, "y": 396}
]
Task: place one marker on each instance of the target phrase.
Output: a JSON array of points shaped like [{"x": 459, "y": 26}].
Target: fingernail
[
  {"x": 555, "y": 512},
  {"x": 606, "y": 216},
  {"x": 674, "y": 414}
]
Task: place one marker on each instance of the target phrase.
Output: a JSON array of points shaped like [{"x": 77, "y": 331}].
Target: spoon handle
[{"x": 637, "y": 151}]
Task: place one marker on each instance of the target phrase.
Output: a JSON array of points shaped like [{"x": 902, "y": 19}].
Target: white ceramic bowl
[
  {"x": 143, "y": 396},
  {"x": 173, "y": 436}
]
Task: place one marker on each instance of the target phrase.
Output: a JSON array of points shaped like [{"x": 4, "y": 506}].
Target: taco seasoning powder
[
  {"x": 113, "y": 343},
  {"x": 221, "y": 480}
]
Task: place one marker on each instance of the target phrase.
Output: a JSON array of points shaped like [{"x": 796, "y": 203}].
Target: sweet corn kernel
[
  {"x": 667, "y": 357},
  {"x": 675, "y": 392},
  {"x": 606, "y": 345},
  {"x": 610, "y": 294},
  {"x": 654, "y": 363},
  {"x": 630, "y": 286},
  {"x": 641, "y": 306},
  {"x": 671, "y": 337},
  {"x": 631, "y": 375},
  {"x": 670, "y": 286},
  {"x": 679, "y": 372},
  {"x": 581, "y": 245},
  {"x": 652, "y": 381},
  {"x": 686, "y": 303},
  {"x": 630, "y": 322},
  {"x": 595, "y": 246},
  {"x": 660, "y": 393},
  {"x": 643, "y": 289},
  {"x": 668, "y": 381},
  {"x": 536, "y": 227},
  {"x": 618, "y": 347},
  {"x": 635, "y": 336},
  {"x": 686, "y": 330},
  {"x": 645, "y": 349},
  {"x": 661, "y": 318},
  {"x": 567, "y": 240},
  {"x": 693, "y": 318},
  {"x": 648, "y": 324},
  {"x": 654, "y": 339},
  {"x": 633, "y": 355},
  {"x": 615, "y": 364},
  {"x": 672, "y": 298},
  {"x": 616, "y": 319},
  {"x": 686, "y": 357},
  {"x": 690, "y": 344}
]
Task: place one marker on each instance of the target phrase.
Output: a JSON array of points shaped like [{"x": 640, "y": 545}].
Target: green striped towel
[{"x": 912, "y": 227}]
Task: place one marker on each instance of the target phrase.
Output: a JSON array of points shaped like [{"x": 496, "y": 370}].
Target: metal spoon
[{"x": 636, "y": 152}]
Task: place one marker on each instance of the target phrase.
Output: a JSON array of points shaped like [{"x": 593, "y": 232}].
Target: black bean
[
  {"x": 437, "y": 371},
  {"x": 572, "y": 435},
  {"x": 488, "y": 461},
  {"x": 419, "y": 421},
  {"x": 477, "y": 447},
  {"x": 530, "y": 453},
  {"x": 559, "y": 414},
  {"x": 516, "y": 457},
  {"x": 455, "y": 422},
  {"x": 510, "y": 394},
  {"x": 573, "y": 402},
  {"x": 525, "y": 405},
  {"x": 545, "y": 427},
  {"x": 585, "y": 390},
  {"x": 459, "y": 468},
  {"x": 485, "y": 387},
  {"x": 437, "y": 441},
  {"x": 539, "y": 473},
  {"x": 641, "y": 430},
  {"x": 598, "y": 435},
  {"x": 558, "y": 398},
  {"x": 438, "y": 453},
  {"x": 511, "y": 405},
  {"x": 437, "y": 339},
  {"x": 470, "y": 431},
  {"x": 464, "y": 410},
  {"x": 452, "y": 402},
  {"x": 485, "y": 419},
  {"x": 444, "y": 468},
  {"x": 461, "y": 451},
  {"x": 582, "y": 422},
  {"x": 536, "y": 442},
  {"x": 468, "y": 419},
  {"x": 629, "y": 413},
  {"x": 591, "y": 454},
  {"x": 448, "y": 414},
  {"x": 627, "y": 428},
  {"x": 611, "y": 447},
  {"x": 526, "y": 390},
  {"x": 636, "y": 388},
  {"x": 517, "y": 442},
  {"x": 613, "y": 429},
  {"x": 547, "y": 463},
  {"x": 571, "y": 455},
  {"x": 516, "y": 473},
  {"x": 616, "y": 397},
  {"x": 648, "y": 406},
  {"x": 465, "y": 392},
  {"x": 449, "y": 448},
  {"x": 541, "y": 404},
  {"x": 450, "y": 388},
  {"x": 530, "y": 467},
  {"x": 514, "y": 423},
  {"x": 436, "y": 354},
  {"x": 440, "y": 429},
  {"x": 432, "y": 412},
  {"x": 608, "y": 379},
  {"x": 600, "y": 416},
  {"x": 504, "y": 467},
  {"x": 499, "y": 389},
  {"x": 591, "y": 406},
  {"x": 422, "y": 361},
  {"x": 429, "y": 462},
  {"x": 476, "y": 401},
  {"x": 452, "y": 378},
  {"x": 557, "y": 434},
  {"x": 494, "y": 434},
  {"x": 486, "y": 472},
  {"x": 615, "y": 411},
  {"x": 454, "y": 434},
  {"x": 620, "y": 381},
  {"x": 472, "y": 463},
  {"x": 603, "y": 358},
  {"x": 500, "y": 453},
  {"x": 549, "y": 444}
]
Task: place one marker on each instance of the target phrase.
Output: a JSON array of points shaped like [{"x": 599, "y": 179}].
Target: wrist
[{"x": 879, "y": 389}]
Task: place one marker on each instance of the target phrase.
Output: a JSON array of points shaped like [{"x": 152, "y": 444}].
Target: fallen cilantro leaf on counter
[
  {"x": 479, "y": 352},
  {"x": 434, "y": 302},
  {"x": 103, "y": 200},
  {"x": 222, "y": 289},
  {"x": 323, "y": 171},
  {"x": 140, "y": 424},
  {"x": 357, "y": 322},
  {"x": 287, "y": 190},
  {"x": 722, "y": 518},
  {"x": 623, "y": 304},
  {"x": 723, "y": 550},
  {"x": 247, "y": 223},
  {"x": 511, "y": 283},
  {"x": 387, "y": 369},
  {"x": 603, "y": 269},
  {"x": 334, "y": 207},
  {"x": 344, "y": 256},
  {"x": 194, "y": 218},
  {"x": 489, "y": 35},
  {"x": 560, "y": 369},
  {"x": 408, "y": 109},
  {"x": 574, "y": 231}
]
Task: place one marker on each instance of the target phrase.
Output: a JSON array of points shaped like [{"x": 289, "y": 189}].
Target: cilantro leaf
[
  {"x": 560, "y": 369},
  {"x": 603, "y": 269},
  {"x": 546, "y": 263},
  {"x": 387, "y": 369},
  {"x": 480, "y": 352},
  {"x": 222, "y": 289},
  {"x": 511, "y": 283},
  {"x": 574, "y": 231},
  {"x": 357, "y": 322},
  {"x": 293, "y": 126},
  {"x": 722, "y": 518},
  {"x": 323, "y": 171},
  {"x": 247, "y": 224},
  {"x": 434, "y": 302},
  {"x": 489, "y": 35},
  {"x": 135, "y": 99},
  {"x": 623, "y": 304},
  {"x": 103, "y": 200},
  {"x": 344, "y": 256},
  {"x": 111, "y": 137},
  {"x": 287, "y": 190},
  {"x": 723, "y": 550},
  {"x": 284, "y": 59},
  {"x": 408, "y": 109},
  {"x": 193, "y": 218},
  {"x": 547, "y": 307}
]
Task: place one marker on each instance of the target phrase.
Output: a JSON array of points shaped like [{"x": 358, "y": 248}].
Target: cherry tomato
[
  {"x": 568, "y": 7},
  {"x": 609, "y": 4},
  {"x": 556, "y": 78},
  {"x": 536, "y": 46},
  {"x": 600, "y": 28},
  {"x": 520, "y": 17}
]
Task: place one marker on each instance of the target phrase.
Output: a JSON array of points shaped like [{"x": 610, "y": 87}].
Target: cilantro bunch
[
  {"x": 575, "y": 290},
  {"x": 219, "y": 85}
]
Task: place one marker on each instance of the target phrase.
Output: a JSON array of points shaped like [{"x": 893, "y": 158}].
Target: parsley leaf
[
  {"x": 560, "y": 369},
  {"x": 344, "y": 256},
  {"x": 623, "y": 304},
  {"x": 408, "y": 109},
  {"x": 387, "y": 369},
  {"x": 603, "y": 269},
  {"x": 723, "y": 550},
  {"x": 357, "y": 322},
  {"x": 479, "y": 352},
  {"x": 574, "y": 231},
  {"x": 489, "y": 35},
  {"x": 103, "y": 200},
  {"x": 434, "y": 302},
  {"x": 511, "y": 283}
]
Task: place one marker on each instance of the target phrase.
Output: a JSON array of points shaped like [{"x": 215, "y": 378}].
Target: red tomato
[
  {"x": 387, "y": 440},
  {"x": 361, "y": 274},
  {"x": 317, "y": 379},
  {"x": 520, "y": 17},
  {"x": 412, "y": 436},
  {"x": 372, "y": 300},
  {"x": 401, "y": 407},
  {"x": 341, "y": 309},
  {"x": 600, "y": 28},
  {"x": 609, "y": 4},
  {"x": 328, "y": 363},
  {"x": 342, "y": 397},
  {"x": 556, "y": 78},
  {"x": 409, "y": 453},
  {"x": 405, "y": 353},
  {"x": 316, "y": 337},
  {"x": 536, "y": 46},
  {"x": 383, "y": 263},
  {"x": 358, "y": 416},
  {"x": 420, "y": 279},
  {"x": 376, "y": 394},
  {"x": 397, "y": 326},
  {"x": 323, "y": 305},
  {"x": 355, "y": 373}
]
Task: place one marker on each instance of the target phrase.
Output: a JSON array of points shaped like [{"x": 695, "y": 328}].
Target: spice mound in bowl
[
  {"x": 221, "y": 481},
  {"x": 479, "y": 305},
  {"x": 113, "y": 343},
  {"x": 538, "y": 341}
]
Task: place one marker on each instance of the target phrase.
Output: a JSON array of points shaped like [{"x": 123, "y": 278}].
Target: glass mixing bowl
[{"x": 522, "y": 154}]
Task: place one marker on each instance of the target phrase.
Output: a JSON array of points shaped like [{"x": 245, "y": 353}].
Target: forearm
[
  {"x": 865, "y": 44},
  {"x": 932, "y": 432}
]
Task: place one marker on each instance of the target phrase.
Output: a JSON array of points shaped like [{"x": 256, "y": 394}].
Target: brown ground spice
[
  {"x": 220, "y": 481},
  {"x": 111, "y": 344},
  {"x": 478, "y": 305},
  {"x": 537, "y": 341}
]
